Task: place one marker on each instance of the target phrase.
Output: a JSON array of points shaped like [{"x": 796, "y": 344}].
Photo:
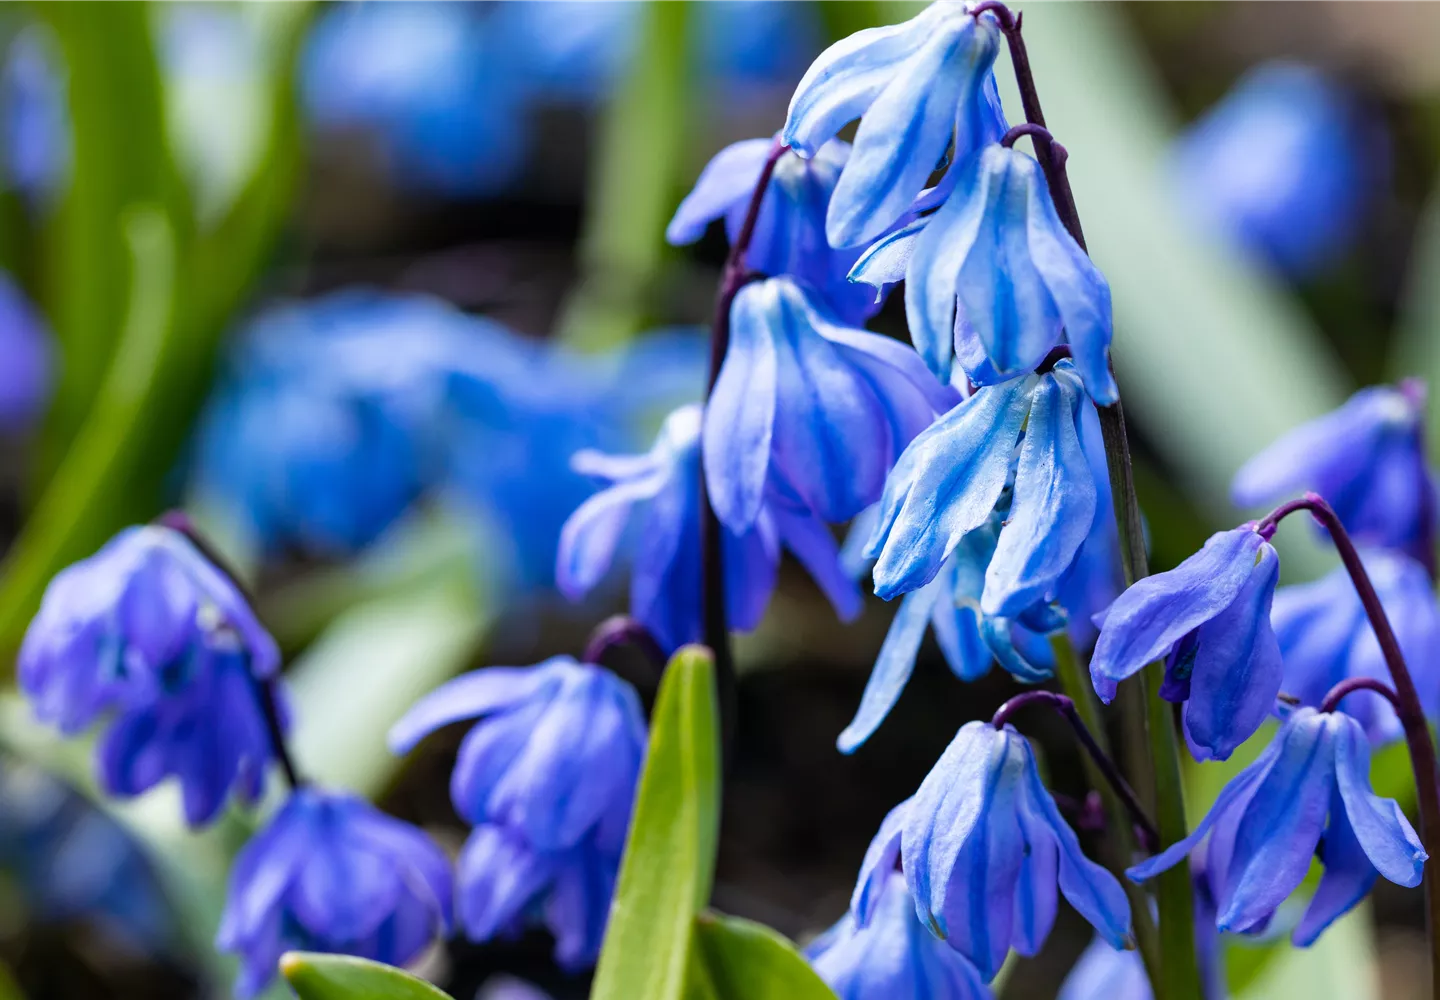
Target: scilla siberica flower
[
  {"x": 923, "y": 87},
  {"x": 330, "y": 872},
  {"x": 789, "y": 236},
  {"x": 1325, "y": 637},
  {"x": 806, "y": 407},
  {"x": 548, "y": 777},
  {"x": 1266, "y": 826},
  {"x": 983, "y": 847},
  {"x": 1210, "y": 616},
  {"x": 1367, "y": 459},
  {"x": 661, "y": 490},
  {"x": 892, "y": 955}
]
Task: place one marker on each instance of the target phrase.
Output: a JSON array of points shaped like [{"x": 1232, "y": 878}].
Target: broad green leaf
[
  {"x": 669, "y": 862},
  {"x": 735, "y": 959},
  {"x": 345, "y": 977}
]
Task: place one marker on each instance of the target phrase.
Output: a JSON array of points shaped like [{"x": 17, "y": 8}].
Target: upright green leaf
[
  {"x": 345, "y": 977},
  {"x": 735, "y": 959},
  {"x": 669, "y": 861},
  {"x": 1417, "y": 351}
]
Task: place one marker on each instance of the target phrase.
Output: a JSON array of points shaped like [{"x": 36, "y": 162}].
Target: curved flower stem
[
  {"x": 1407, "y": 700},
  {"x": 715, "y": 623},
  {"x": 1149, "y": 722},
  {"x": 266, "y": 690},
  {"x": 622, "y": 630},
  {"x": 1352, "y": 684}
]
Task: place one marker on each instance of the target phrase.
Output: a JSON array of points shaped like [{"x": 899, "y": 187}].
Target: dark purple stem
[
  {"x": 1036, "y": 132},
  {"x": 715, "y": 623},
  {"x": 265, "y": 688},
  {"x": 1407, "y": 699},
  {"x": 1351, "y": 685},
  {"x": 1149, "y": 835},
  {"x": 622, "y": 630}
]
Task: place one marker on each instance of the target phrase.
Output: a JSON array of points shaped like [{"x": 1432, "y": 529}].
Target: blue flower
[
  {"x": 1104, "y": 973},
  {"x": 1268, "y": 822},
  {"x": 25, "y": 358},
  {"x": 754, "y": 42},
  {"x": 805, "y": 407},
  {"x": 950, "y": 478},
  {"x": 892, "y": 955},
  {"x": 555, "y": 755},
  {"x": 789, "y": 235},
  {"x": 133, "y": 624},
  {"x": 36, "y": 119},
  {"x": 664, "y": 485},
  {"x": 1211, "y": 617},
  {"x": 1285, "y": 164},
  {"x": 332, "y": 873},
  {"x": 436, "y": 88},
  {"x": 1367, "y": 459},
  {"x": 1325, "y": 637},
  {"x": 925, "y": 87}
]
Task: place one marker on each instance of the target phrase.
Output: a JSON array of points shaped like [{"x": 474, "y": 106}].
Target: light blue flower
[
  {"x": 924, "y": 87},
  {"x": 983, "y": 847},
  {"x": 1367, "y": 459},
  {"x": 1325, "y": 637},
  {"x": 1285, "y": 164},
  {"x": 330, "y": 872},
  {"x": 805, "y": 407},
  {"x": 753, "y": 42},
  {"x": 661, "y": 491},
  {"x": 36, "y": 119},
  {"x": 1211, "y": 617},
  {"x": 892, "y": 955},
  {"x": 1269, "y": 821},
  {"x": 25, "y": 358},
  {"x": 1105, "y": 973}
]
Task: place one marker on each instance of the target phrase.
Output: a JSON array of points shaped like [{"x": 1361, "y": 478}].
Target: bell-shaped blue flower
[
  {"x": 25, "y": 358},
  {"x": 949, "y": 480},
  {"x": 994, "y": 278},
  {"x": 983, "y": 847},
  {"x": 132, "y": 624},
  {"x": 1268, "y": 822},
  {"x": 892, "y": 955},
  {"x": 1105, "y": 973},
  {"x": 332, "y": 873},
  {"x": 1367, "y": 459},
  {"x": 924, "y": 87},
  {"x": 555, "y": 755},
  {"x": 661, "y": 489},
  {"x": 1211, "y": 617},
  {"x": 809, "y": 408},
  {"x": 1325, "y": 637}
]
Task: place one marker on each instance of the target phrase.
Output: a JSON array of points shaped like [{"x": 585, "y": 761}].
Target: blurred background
[{"x": 351, "y": 282}]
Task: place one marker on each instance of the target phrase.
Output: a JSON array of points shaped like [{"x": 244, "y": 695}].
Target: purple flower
[
  {"x": 892, "y": 955},
  {"x": 1211, "y": 617},
  {"x": 808, "y": 408},
  {"x": 661, "y": 490},
  {"x": 332, "y": 873},
  {"x": 1325, "y": 637},
  {"x": 925, "y": 87},
  {"x": 1269, "y": 821},
  {"x": 1367, "y": 459},
  {"x": 25, "y": 358}
]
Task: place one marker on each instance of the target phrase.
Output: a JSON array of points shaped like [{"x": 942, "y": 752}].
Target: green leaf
[
  {"x": 345, "y": 977},
  {"x": 735, "y": 959},
  {"x": 669, "y": 862},
  {"x": 1417, "y": 351}
]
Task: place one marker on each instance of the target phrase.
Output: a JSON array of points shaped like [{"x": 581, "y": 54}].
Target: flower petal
[
  {"x": 480, "y": 692},
  {"x": 741, "y": 414},
  {"x": 728, "y": 178},
  {"x": 880, "y": 862},
  {"x": 1380, "y": 827}
]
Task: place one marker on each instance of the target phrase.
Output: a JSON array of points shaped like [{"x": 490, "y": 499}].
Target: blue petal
[
  {"x": 480, "y": 692},
  {"x": 590, "y": 535},
  {"x": 1031, "y": 665},
  {"x": 497, "y": 877},
  {"x": 879, "y": 863},
  {"x": 1237, "y": 670},
  {"x": 1380, "y": 827},
  {"x": 887, "y": 260},
  {"x": 813, "y": 546},
  {"x": 1151, "y": 616},
  {"x": 1036, "y": 898},
  {"x": 1347, "y": 880},
  {"x": 945, "y": 484},
  {"x": 741, "y": 415},
  {"x": 727, "y": 179}
]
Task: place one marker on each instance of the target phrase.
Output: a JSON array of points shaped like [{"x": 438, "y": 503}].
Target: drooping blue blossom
[
  {"x": 892, "y": 955},
  {"x": 1325, "y": 637},
  {"x": 924, "y": 87},
  {"x": 25, "y": 358},
  {"x": 1285, "y": 164},
  {"x": 983, "y": 847},
  {"x": 1210, "y": 617},
  {"x": 438, "y": 91},
  {"x": 808, "y": 408},
  {"x": 753, "y": 43},
  {"x": 789, "y": 236},
  {"x": 1367, "y": 459},
  {"x": 1266, "y": 826},
  {"x": 660, "y": 490},
  {"x": 332, "y": 873}
]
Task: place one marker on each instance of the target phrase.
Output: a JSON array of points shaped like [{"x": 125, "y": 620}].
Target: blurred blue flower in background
[
  {"x": 330, "y": 872},
  {"x": 754, "y": 42},
  {"x": 36, "y": 121},
  {"x": 1286, "y": 164},
  {"x": 1104, "y": 973},
  {"x": 25, "y": 358}
]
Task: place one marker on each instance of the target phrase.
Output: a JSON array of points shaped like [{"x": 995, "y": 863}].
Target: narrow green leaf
[
  {"x": 345, "y": 977},
  {"x": 1417, "y": 351},
  {"x": 743, "y": 960},
  {"x": 669, "y": 861}
]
